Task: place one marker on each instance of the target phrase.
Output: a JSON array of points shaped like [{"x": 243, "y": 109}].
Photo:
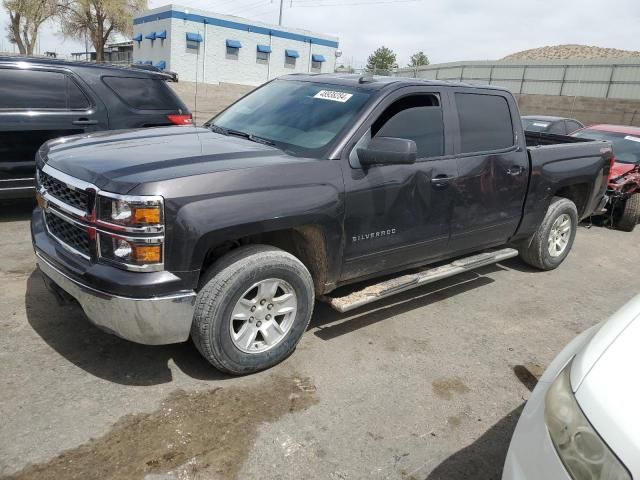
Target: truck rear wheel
[
  {"x": 253, "y": 307},
  {"x": 551, "y": 243},
  {"x": 630, "y": 214}
]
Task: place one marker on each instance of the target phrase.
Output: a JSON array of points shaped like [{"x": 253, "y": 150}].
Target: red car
[{"x": 623, "y": 206}]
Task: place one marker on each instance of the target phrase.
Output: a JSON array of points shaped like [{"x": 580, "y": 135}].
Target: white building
[{"x": 213, "y": 48}]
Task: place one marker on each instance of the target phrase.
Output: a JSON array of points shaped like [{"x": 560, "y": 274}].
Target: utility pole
[{"x": 280, "y": 17}]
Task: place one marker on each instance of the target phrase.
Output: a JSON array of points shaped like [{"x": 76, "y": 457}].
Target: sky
[{"x": 446, "y": 30}]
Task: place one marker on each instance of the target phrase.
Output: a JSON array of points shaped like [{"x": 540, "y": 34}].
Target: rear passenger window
[
  {"x": 557, "y": 128},
  {"x": 485, "y": 122},
  {"x": 77, "y": 99},
  {"x": 572, "y": 126},
  {"x": 39, "y": 90},
  {"x": 142, "y": 93},
  {"x": 417, "y": 118}
]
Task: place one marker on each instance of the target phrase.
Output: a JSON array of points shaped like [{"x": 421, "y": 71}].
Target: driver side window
[{"x": 415, "y": 117}]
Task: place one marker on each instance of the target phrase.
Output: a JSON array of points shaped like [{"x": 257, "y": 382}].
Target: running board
[{"x": 381, "y": 290}]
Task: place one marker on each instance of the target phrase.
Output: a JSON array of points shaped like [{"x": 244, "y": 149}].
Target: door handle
[
  {"x": 84, "y": 121},
  {"x": 441, "y": 181},
  {"x": 515, "y": 171}
]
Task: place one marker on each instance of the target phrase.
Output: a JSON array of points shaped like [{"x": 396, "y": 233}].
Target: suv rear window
[
  {"x": 143, "y": 93},
  {"x": 39, "y": 90},
  {"x": 485, "y": 122}
]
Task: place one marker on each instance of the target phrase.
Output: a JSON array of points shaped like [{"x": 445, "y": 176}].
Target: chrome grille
[
  {"x": 64, "y": 193},
  {"x": 68, "y": 233}
]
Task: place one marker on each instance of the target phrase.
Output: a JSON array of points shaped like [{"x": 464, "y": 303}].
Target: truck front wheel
[
  {"x": 630, "y": 214},
  {"x": 551, "y": 243},
  {"x": 254, "y": 305}
]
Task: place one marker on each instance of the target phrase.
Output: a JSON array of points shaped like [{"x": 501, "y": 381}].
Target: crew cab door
[
  {"x": 398, "y": 215},
  {"x": 493, "y": 170},
  {"x": 37, "y": 105}
]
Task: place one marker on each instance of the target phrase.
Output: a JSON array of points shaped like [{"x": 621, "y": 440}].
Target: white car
[{"x": 583, "y": 418}]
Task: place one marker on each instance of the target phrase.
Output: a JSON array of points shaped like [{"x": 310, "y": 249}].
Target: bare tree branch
[
  {"x": 99, "y": 19},
  {"x": 26, "y": 17}
]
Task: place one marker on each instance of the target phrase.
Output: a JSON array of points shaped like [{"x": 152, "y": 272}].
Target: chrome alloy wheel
[
  {"x": 263, "y": 316},
  {"x": 559, "y": 235}
]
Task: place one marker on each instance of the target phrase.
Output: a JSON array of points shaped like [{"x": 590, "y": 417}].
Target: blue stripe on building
[{"x": 233, "y": 25}]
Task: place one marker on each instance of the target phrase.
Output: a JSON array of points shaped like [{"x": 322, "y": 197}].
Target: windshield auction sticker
[{"x": 333, "y": 96}]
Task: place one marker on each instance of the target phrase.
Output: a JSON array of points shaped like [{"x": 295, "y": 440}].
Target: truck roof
[{"x": 378, "y": 82}]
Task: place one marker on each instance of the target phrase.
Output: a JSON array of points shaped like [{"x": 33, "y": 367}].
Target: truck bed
[
  {"x": 534, "y": 139},
  {"x": 560, "y": 161}
]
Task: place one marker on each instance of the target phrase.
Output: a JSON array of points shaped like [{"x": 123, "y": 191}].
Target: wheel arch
[
  {"x": 578, "y": 193},
  {"x": 307, "y": 241}
]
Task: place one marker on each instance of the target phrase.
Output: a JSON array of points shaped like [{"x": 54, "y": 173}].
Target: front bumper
[
  {"x": 532, "y": 455},
  {"x": 150, "y": 321},
  {"x": 152, "y": 308}
]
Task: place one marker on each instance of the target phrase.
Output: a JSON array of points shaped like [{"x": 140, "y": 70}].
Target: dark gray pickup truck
[{"x": 229, "y": 232}]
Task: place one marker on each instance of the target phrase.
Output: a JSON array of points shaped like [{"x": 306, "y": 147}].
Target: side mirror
[{"x": 388, "y": 151}]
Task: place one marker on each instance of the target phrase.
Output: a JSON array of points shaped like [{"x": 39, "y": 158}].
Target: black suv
[{"x": 41, "y": 99}]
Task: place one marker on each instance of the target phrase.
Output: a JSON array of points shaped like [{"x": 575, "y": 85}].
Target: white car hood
[{"x": 605, "y": 378}]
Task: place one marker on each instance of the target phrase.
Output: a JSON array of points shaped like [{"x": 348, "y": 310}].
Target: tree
[
  {"x": 98, "y": 19},
  {"x": 383, "y": 59},
  {"x": 419, "y": 59},
  {"x": 25, "y": 19}
]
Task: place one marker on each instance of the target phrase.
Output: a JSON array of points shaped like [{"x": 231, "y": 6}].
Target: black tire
[
  {"x": 535, "y": 250},
  {"x": 630, "y": 214},
  {"x": 223, "y": 285}
]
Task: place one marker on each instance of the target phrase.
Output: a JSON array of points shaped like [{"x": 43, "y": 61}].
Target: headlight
[
  {"x": 582, "y": 451},
  {"x": 131, "y": 231},
  {"x": 131, "y": 252},
  {"x": 138, "y": 213}
]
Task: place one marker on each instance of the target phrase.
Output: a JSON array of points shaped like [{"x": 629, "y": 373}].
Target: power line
[
  {"x": 309, "y": 3},
  {"x": 226, "y": 3},
  {"x": 263, "y": 11},
  {"x": 244, "y": 8}
]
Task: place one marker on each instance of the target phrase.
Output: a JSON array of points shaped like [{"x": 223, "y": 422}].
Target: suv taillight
[{"x": 181, "y": 119}]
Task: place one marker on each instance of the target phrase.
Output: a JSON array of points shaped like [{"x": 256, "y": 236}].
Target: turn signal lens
[
  {"x": 146, "y": 216},
  {"x": 147, "y": 253},
  {"x": 42, "y": 203}
]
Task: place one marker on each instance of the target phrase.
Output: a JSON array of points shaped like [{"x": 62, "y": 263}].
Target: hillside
[{"x": 563, "y": 52}]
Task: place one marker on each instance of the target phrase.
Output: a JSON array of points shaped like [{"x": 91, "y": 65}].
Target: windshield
[
  {"x": 626, "y": 147},
  {"x": 300, "y": 118},
  {"x": 533, "y": 125}
]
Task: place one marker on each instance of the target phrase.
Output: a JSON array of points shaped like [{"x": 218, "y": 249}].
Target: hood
[
  {"x": 603, "y": 340},
  {"x": 604, "y": 377},
  {"x": 619, "y": 169},
  {"x": 117, "y": 161}
]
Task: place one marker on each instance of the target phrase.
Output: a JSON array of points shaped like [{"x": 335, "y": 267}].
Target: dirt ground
[
  {"x": 205, "y": 100},
  {"x": 426, "y": 385}
]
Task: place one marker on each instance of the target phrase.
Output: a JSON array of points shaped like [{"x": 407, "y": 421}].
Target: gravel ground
[
  {"x": 206, "y": 100},
  {"x": 426, "y": 385}
]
